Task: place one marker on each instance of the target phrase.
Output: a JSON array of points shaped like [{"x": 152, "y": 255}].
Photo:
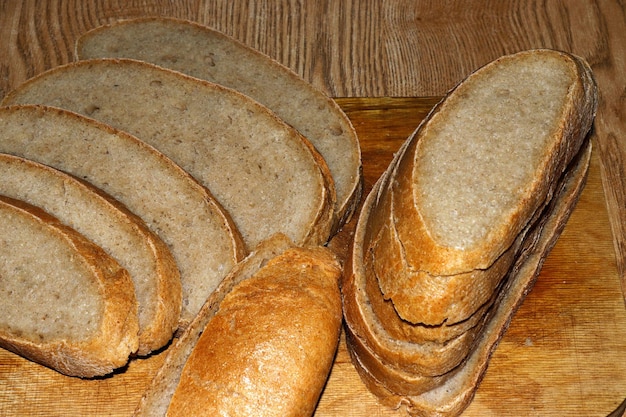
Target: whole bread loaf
[
  {"x": 265, "y": 174},
  {"x": 263, "y": 344},
  {"x": 528, "y": 146},
  {"x": 65, "y": 303},
  {"x": 108, "y": 224},
  {"x": 205, "y": 53},
  {"x": 200, "y": 235}
]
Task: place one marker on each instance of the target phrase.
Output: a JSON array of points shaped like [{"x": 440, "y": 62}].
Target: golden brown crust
[
  {"x": 282, "y": 324},
  {"x": 321, "y": 292},
  {"x": 117, "y": 333}
]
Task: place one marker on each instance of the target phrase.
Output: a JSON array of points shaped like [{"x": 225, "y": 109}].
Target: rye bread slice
[
  {"x": 455, "y": 394},
  {"x": 200, "y": 235},
  {"x": 65, "y": 303},
  {"x": 287, "y": 299},
  {"x": 205, "y": 53},
  {"x": 483, "y": 165},
  {"x": 264, "y": 173},
  {"x": 108, "y": 224}
]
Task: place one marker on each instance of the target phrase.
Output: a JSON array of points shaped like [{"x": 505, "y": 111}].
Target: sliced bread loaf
[
  {"x": 65, "y": 303},
  {"x": 108, "y": 224},
  {"x": 394, "y": 240},
  {"x": 263, "y": 172},
  {"x": 208, "y": 54},
  {"x": 200, "y": 235},
  {"x": 263, "y": 344}
]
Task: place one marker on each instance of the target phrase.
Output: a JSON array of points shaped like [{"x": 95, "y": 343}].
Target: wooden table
[{"x": 565, "y": 352}]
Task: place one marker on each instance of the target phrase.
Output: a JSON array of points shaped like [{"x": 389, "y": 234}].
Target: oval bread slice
[
  {"x": 65, "y": 303},
  {"x": 478, "y": 173},
  {"x": 263, "y": 172},
  {"x": 204, "y": 242},
  {"x": 108, "y": 224},
  {"x": 205, "y": 53}
]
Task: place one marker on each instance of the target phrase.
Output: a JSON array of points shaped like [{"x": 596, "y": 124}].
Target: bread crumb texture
[
  {"x": 468, "y": 181},
  {"x": 44, "y": 288}
]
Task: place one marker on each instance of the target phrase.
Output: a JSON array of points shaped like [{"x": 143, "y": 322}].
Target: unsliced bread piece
[
  {"x": 211, "y": 55},
  {"x": 204, "y": 242},
  {"x": 65, "y": 303},
  {"x": 263, "y": 344},
  {"x": 265, "y": 174},
  {"x": 108, "y": 224}
]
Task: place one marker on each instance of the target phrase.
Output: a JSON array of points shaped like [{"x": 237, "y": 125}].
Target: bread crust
[
  {"x": 301, "y": 324},
  {"x": 116, "y": 335}
]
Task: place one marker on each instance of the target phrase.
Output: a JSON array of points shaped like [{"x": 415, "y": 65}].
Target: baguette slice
[
  {"x": 200, "y": 235},
  {"x": 65, "y": 303},
  {"x": 263, "y": 344},
  {"x": 108, "y": 224},
  {"x": 208, "y": 54},
  {"x": 480, "y": 169},
  {"x": 263, "y": 172},
  {"x": 455, "y": 394}
]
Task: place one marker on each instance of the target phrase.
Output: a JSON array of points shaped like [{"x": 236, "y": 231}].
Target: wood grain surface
[{"x": 564, "y": 353}]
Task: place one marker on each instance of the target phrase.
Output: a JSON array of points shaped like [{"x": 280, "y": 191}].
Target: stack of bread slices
[
  {"x": 454, "y": 233},
  {"x": 130, "y": 191}
]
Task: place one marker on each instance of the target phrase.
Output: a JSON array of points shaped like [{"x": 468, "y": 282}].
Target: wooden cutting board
[{"x": 564, "y": 352}]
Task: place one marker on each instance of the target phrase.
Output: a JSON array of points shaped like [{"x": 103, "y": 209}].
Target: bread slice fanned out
[
  {"x": 263, "y": 344},
  {"x": 200, "y": 235},
  {"x": 454, "y": 234},
  {"x": 265, "y": 174},
  {"x": 208, "y": 54},
  {"x": 108, "y": 224},
  {"x": 65, "y": 303}
]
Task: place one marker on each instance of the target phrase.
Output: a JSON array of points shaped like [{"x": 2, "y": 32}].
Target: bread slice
[
  {"x": 208, "y": 54},
  {"x": 263, "y": 344},
  {"x": 264, "y": 173},
  {"x": 65, "y": 303},
  {"x": 455, "y": 394},
  {"x": 108, "y": 224},
  {"x": 465, "y": 191},
  {"x": 200, "y": 235}
]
